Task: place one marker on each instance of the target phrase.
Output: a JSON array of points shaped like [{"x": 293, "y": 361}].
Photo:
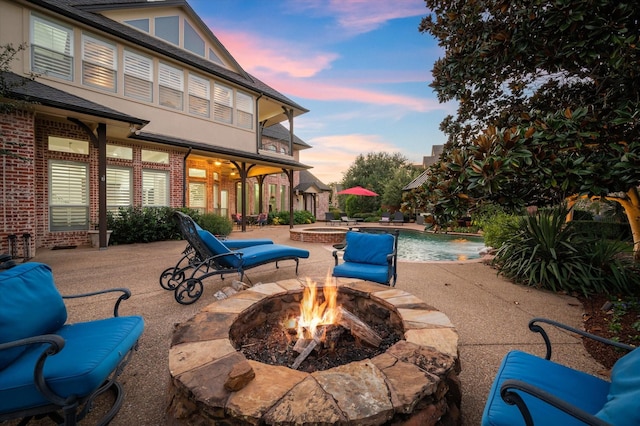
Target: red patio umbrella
[{"x": 358, "y": 190}]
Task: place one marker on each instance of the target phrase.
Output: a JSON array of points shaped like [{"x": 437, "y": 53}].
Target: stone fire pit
[{"x": 414, "y": 382}]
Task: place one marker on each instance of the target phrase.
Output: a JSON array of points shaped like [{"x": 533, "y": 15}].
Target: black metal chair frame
[
  {"x": 512, "y": 398},
  {"x": 392, "y": 258},
  {"x": 204, "y": 263},
  {"x": 53, "y": 344}
]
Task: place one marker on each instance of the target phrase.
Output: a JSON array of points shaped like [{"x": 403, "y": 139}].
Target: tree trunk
[{"x": 631, "y": 206}]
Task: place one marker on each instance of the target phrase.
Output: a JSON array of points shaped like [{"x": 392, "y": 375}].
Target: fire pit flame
[{"x": 313, "y": 313}]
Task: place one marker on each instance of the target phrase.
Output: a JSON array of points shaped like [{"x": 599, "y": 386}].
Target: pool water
[{"x": 419, "y": 246}]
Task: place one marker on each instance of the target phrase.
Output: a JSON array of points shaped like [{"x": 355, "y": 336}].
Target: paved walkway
[{"x": 490, "y": 313}]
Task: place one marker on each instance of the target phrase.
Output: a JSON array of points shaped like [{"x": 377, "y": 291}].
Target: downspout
[{"x": 184, "y": 178}]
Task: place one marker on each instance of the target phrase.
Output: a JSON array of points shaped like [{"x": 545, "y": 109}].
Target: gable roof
[
  {"x": 83, "y": 11},
  {"x": 417, "y": 182},
  {"x": 307, "y": 180},
  {"x": 281, "y": 133}
]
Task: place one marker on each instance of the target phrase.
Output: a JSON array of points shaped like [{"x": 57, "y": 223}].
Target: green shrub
[
  {"x": 545, "y": 251},
  {"x": 144, "y": 225},
  {"x": 300, "y": 217},
  {"x": 216, "y": 224},
  {"x": 497, "y": 227}
]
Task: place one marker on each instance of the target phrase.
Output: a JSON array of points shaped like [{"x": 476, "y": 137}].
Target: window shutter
[
  {"x": 171, "y": 82},
  {"x": 244, "y": 105},
  {"x": 68, "y": 196},
  {"x": 118, "y": 188},
  {"x": 199, "y": 97},
  {"x": 51, "y": 48},
  {"x": 155, "y": 186},
  {"x": 222, "y": 103},
  {"x": 99, "y": 64},
  {"x": 138, "y": 76}
]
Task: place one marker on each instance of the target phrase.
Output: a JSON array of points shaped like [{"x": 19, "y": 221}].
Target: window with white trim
[
  {"x": 119, "y": 193},
  {"x": 168, "y": 28},
  {"x": 119, "y": 152},
  {"x": 99, "y": 63},
  {"x": 244, "y": 105},
  {"x": 171, "y": 85},
  {"x": 192, "y": 41},
  {"x": 199, "y": 95},
  {"x": 68, "y": 196},
  {"x": 222, "y": 103},
  {"x": 149, "y": 156},
  {"x": 138, "y": 76},
  {"x": 155, "y": 188},
  {"x": 51, "y": 48},
  {"x": 68, "y": 145},
  {"x": 141, "y": 24},
  {"x": 197, "y": 196}
]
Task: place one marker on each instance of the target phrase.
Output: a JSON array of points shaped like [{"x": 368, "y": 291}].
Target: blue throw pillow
[
  {"x": 368, "y": 248},
  {"x": 623, "y": 402},
  {"x": 31, "y": 306}
]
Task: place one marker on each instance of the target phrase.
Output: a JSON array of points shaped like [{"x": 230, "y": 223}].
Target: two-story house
[{"x": 135, "y": 103}]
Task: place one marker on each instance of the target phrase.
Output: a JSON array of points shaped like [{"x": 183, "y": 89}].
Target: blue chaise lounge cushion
[
  {"x": 368, "y": 248},
  {"x": 575, "y": 387},
  {"x": 31, "y": 305}
]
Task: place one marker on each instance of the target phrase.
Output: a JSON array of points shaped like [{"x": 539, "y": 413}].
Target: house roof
[
  {"x": 27, "y": 90},
  {"x": 308, "y": 180},
  {"x": 84, "y": 11},
  {"x": 279, "y": 132},
  {"x": 417, "y": 182}
]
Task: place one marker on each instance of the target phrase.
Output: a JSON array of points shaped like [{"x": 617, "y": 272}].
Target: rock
[{"x": 239, "y": 376}]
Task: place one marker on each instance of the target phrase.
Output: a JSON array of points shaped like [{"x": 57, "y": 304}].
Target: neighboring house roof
[
  {"x": 308, "y": 180},
  {"x": 436, "y": 152},
  {"x": 417, "y": 182},
  {"x": 279, "y": 132},
  {"x": 82, "y": 11},
  {"x": 34, "y": 92}
]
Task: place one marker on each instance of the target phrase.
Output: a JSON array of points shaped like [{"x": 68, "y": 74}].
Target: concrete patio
[{"x": 489, "y": 313}]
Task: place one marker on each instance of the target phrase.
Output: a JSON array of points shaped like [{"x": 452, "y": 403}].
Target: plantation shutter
[
  {"x": 199, "y": 97},
  {"x": 197, "y": 198},
  {"x": 99, "y": 64},
  {"x": 138, "y": 76},
  {"x": 155, "y": 188},
  {"x": 51, "y": 48},
  {"x": 119, "y": 192},
  {"x": 244, "y": 105},
  {"x": 68, "y": 196},
  {"x": 171, "y": 82},
  {"x": 222, "y": 103}
]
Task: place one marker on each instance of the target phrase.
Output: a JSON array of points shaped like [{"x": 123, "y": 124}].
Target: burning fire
[{"x": 313, "y": 313}]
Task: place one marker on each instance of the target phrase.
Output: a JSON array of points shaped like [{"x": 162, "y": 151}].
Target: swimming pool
[{"x": 425, "y": 247}]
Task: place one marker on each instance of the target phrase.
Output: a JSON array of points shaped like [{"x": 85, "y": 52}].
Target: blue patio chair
[
  {"x": 213, "y": 257},
  {"x": 369, "y": 256},
  {"x": 531, "y": 390},
  {"x": 49, "y": 367}
]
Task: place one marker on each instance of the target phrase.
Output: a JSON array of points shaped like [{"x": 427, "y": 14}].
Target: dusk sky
[{"x": 360, "y": 66}]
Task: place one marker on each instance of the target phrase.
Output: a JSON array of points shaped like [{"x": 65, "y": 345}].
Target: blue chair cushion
[
  {"x": 239, "y": 244},
  {"x": 623, "y": 401},
  {"x": 575, "y": 387},
  {"x": 31, "y": 305},
  {"x": 367, "y": 272},
  {"x": 257, "y": 255},
  {"x": 368, "y": 248},
  {"x": 92, "y": 351}
]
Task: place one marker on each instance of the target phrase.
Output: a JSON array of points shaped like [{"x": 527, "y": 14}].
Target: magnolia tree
[{"x": 549, "y": 103}]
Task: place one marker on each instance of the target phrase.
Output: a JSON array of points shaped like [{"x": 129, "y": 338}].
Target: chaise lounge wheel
[
  {"x": 170, "y": 278},
  {"x": 189, "y": 291}
]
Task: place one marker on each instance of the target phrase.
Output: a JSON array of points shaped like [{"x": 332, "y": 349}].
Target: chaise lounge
[{"x": 213, "y": 257}]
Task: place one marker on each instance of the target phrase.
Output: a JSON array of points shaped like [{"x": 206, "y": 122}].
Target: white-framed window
[
  {"x": 68, "y": 196},
  {"x": 199, "y": 95},
  {"x": 197, "y": 173},
  {"x": 197, "y": 196},
  {"x": 119, "y": 152},
  {"x": 99, "y": 63},
  {"x": 168, "y": 28},
  {"x": 213, "y": 57},
  {"x": 149, "y": 156},
  {"x": 192, "y": 41},
  {"x": 141, "y": 24},
  {"x": 71, "y": 146},
  {"x": 119, "y": 193},
  {"x": 51, "y": 48},
  {"x": 222, "y": 103},
  {"x": 244, "y": 105},
  {"x": 138, "y": 76},
  {"x": 171, "y": 85},
  {"x": 155, "y": 188}
]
